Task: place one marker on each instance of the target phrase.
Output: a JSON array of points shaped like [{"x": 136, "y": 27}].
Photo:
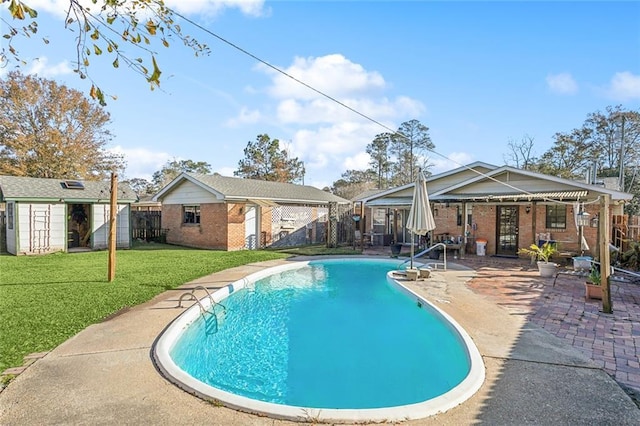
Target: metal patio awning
[
  {"x": 555, "y": 195},
  {"x": 398, "y": 202},
  {"x": 390, "y": 202}
]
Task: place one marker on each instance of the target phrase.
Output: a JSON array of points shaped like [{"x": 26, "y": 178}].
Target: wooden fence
[
  {"x": 626, "y": 229},
  {"x": 146, "y": 226}
]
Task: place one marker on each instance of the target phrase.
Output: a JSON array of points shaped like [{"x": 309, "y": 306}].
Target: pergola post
[
  {"x": 113, "y": 212},
  {"x": 605, "y": 260}
]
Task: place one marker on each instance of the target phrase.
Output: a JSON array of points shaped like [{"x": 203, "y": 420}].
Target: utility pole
[
  {"x": 113, "y": 211},
  {"x": 621, "y": 177}
]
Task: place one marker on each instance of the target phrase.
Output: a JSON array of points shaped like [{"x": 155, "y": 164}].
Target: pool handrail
[
  {"x": 613, "y": 270},
  {"x": 192, "y": 296},
  {"x": 425, "y": 251}
]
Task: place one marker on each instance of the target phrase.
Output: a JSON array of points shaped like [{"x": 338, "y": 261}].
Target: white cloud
[
  {"x": 624, "y": 86},
  {"x": 207, "y": 7},
  {"x": 325, "y": 149},
  {"x": 327, "y": 111},
  {"x": 141, "y": 162},
  {"x": 562, "y": 84},
  {"x": 359, "y": 161},
  {"x": 214, "y": 7},
  {"x": 333, "y": 75},
  {"x": 347, "y": 82},
  {"x": 225, "y": 171},
  {"x": 42, "y": 68},
  {"x": 245, "y": 116},
  {"x": 326, "y": 135},
  {"x": 453, "y": 161}
]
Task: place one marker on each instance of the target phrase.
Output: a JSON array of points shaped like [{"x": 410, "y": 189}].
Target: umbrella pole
[{"x": 412, "y": 240}]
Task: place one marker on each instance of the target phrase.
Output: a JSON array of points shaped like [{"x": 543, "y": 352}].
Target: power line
[
  {"x": 331, "y": 98},
  {"x": 273, "y": 67}
]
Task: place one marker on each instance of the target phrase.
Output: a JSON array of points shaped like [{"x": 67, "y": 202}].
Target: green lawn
[{"x": 44, "y": 300}]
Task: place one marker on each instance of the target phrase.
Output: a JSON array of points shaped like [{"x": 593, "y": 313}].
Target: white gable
[{"x": 186, "y": 192}]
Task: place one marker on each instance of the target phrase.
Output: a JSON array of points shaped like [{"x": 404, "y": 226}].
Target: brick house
[
  {"x": 508, "y": 207},
  {"x": 228, "y": 213}
]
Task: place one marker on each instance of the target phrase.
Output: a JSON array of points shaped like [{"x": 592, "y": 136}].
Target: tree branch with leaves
[
  {"x": 50, "y": 131},
  {"x": 264, "y": 160},
  {"x": 174, "y": 167},
  {"x": 107, "y": 27}
]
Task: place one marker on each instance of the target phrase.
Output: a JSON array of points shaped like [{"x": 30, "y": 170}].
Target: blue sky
[{"x": 478, "y": 74}]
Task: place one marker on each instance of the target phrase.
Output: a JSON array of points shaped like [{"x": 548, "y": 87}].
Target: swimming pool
[{"x": 326, "y": 340}]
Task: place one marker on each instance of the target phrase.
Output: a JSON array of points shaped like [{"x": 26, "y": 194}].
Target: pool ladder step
[{"x": 190, "y": 295}]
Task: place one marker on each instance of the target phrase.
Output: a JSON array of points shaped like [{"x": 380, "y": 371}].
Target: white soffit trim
[{"x": 263, "y": 203}]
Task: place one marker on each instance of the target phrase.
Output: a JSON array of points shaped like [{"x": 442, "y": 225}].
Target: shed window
[
  {"x": 190, "y": 214},
  {"x": 556, "y": 216},
  {"x": 10, "y": 215}
]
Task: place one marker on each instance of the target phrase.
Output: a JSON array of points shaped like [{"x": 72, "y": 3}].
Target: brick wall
[
  {"x": 447, "y": 220},
  {"x": 265, "y": 227},
  {"x": 236, "y": 229},
  {"x": 526, "y": 232},
  {"x": 210, "y": 233},
  {"x": 567, "y": 238},
  {"x": 484, "y": 216}
]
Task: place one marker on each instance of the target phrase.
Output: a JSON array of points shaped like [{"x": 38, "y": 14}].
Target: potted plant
[
  {"x": 542, "y": 254},
  {"x": 593, "y": 287}
]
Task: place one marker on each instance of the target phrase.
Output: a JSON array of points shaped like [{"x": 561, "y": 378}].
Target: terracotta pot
[{"x": 592, "y": 291}]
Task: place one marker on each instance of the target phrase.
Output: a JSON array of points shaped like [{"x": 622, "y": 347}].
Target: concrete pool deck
[{"x": 105, "y": 375}]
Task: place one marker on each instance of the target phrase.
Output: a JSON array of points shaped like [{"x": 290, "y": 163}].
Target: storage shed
[{"x": 50, "y": 215}]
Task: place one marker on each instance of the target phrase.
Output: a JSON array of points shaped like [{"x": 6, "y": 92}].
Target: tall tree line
[
  {"x": 607, "y": 142},
  {"x": 395, "y": 157}
]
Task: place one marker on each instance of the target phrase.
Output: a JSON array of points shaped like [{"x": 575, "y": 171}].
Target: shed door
[
  {"x": 40, "y": 228},
  {"x": 79, "y": 225},
  {"x": 250, "y": 228},
  {"x": 507, "y": 235}
]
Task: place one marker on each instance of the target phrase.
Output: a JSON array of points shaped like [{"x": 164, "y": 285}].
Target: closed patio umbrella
[{"x": 420, "y": 220}]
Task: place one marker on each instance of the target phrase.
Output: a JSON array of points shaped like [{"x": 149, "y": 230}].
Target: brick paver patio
[{"x": 612, "y": 341}]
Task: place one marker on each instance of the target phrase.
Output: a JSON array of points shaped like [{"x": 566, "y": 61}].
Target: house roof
[
  {"x": 252, "y": 190},
  {"x": 20, "y": 188},
  {"x": 509, "y": 181},
  {"x": 473, "y": 169},
  {"x": 367, "y": 194},
  {"x": 497, "y": 184}
]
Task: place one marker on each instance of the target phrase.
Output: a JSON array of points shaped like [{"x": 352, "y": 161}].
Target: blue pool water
[{"x": 333, "y": 334}]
